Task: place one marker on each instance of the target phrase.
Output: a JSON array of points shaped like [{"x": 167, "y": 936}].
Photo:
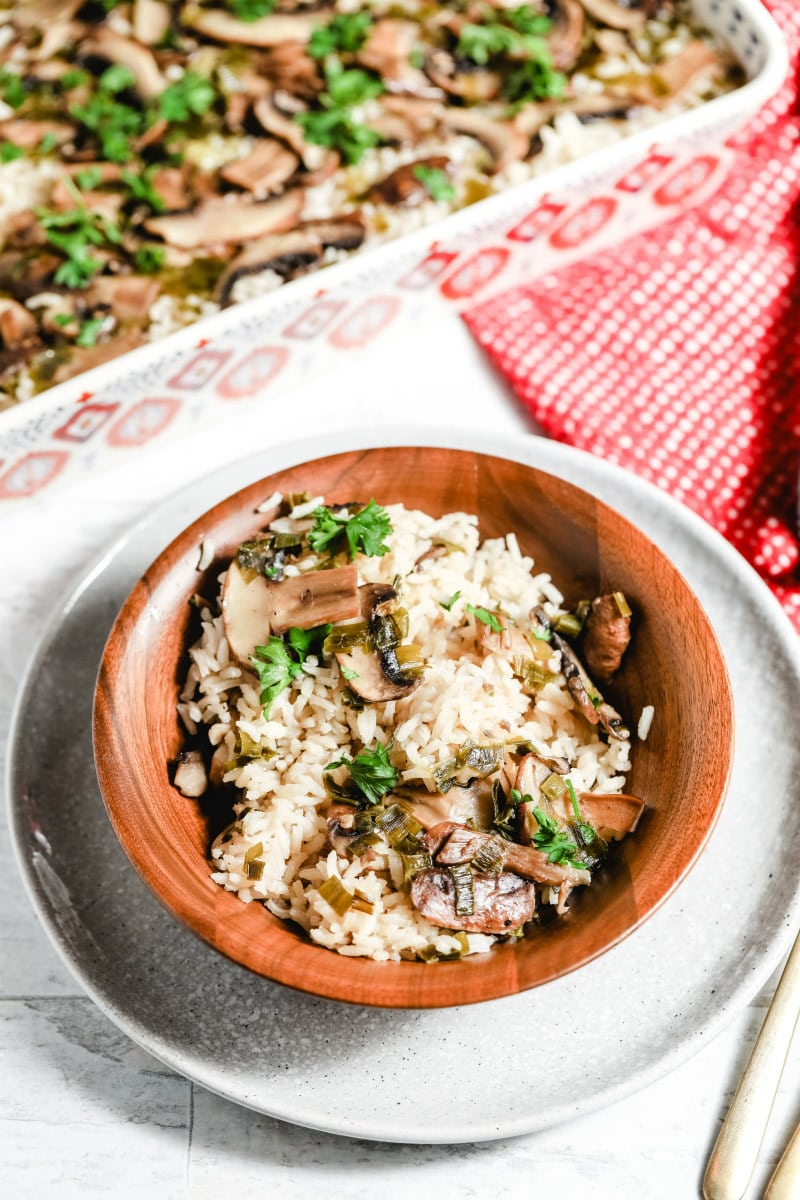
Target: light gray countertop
[{"x": 85, "y": 1112}]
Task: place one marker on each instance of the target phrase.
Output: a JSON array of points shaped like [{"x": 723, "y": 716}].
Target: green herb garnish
[
  {"x": 334, "y": 126},
  {"x": 90, "y": 331},
  {"x": 74, "y": 232},
  {"x": 9, "y": 152},
  {"x": 557, "y": 845},
  {"x": 370, "y": 771},
  {"x": 252, "y": 10},
  {"x": 488, "y": 618},
  {"x": 517, "y": 36},
  {"x": 141, "y": 188},
  {"x": 345, "y": 33},
  {"x": 112, "y": 122},
  {"x": 276, "y": 670},
  {"x": 435, "y": 182},
  {"x": 364, "y": 531},
  {"x": 89, "y": 178},
  {"x": 448, "y": 604},
  {"x": 190, "y": 96},
  {"x": 149, "y": 259},
  {"x": 307, "y": 641},
  {"x": 12, "y": 88}
]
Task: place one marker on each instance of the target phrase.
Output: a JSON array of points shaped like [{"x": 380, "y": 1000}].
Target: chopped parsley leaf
[
  {"x": 448, "y": 604},
  {"x": 488, "y": 618},
  {"x": 141, "y": 187},
  {"x": 276, "y": 670},
  {"x": 348, "y": 674},
  {"x": 370, "y": 771},
  {"x": 74, "y": 232},
  {"x": 435, "y": 182},
  {"x": 338, "y": 131},
  {"x": 12, "y": 89},
  {"x": 8, "y": 152},
  {"x": 149, "y": 259},
  {"x": 345, "y": 33},
  {"x": 364, "y": 531},
  {"x": 252, "y": 10},
  {"x": 307, "y": 641},
  {"x": 115, "y": 79},
  {"x": 90, "y": 331},
  {"x": 89, "y": 178},
  {"x": 190, "y": 96},
  {"x": 557, "y": 845}
]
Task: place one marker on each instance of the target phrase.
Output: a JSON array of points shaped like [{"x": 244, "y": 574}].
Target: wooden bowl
[{"x": 674, "y": 663}]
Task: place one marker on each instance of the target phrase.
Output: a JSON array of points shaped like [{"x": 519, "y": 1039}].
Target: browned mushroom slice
[
  {"x": 601, "y": 108},
  {"x": 612, "y": 816},
  {"x": 40, "y": 13},
  {"x": 24, "y": 274},
  {"x": 677, "y": 75},
  {"x": 17, "y": 325},
  {"x": 254, "y": 610},
  {"x": 130, "y": 297},
  {"x": 286, "y": 254},
  {"x": 451, "y": 845},
  {"x": 629, "y": 15},
  {"x": 266, "y": 31},
  {"x": 387, "y": 51},
  {"x": 375, "y": 674},
  {"x": 291, "y": 68},
  {"x": 462, "y": 78},
  {"x": 566, "y": 35},
  {"x": 151, "y": 21},
  {"x": 316, "y": 159},
  {"x": 459, "y": 804},
  {"x": 228, "y": 219},
  {"x": 502, "y": 903},
  {"x": 27, "y": 134},
  {"x": 586, "y": 695},
  {"x": 406, "y": 119},
  {"x": 125, "y": 52},
  {"x": 265, "y": 169},
  {"x": 403, "y": 187},
  {"x": 345, "y": 232},
  {"x": 340, "y": 827},
  {"x": 606, "y": 636},
  {"x": 503, "y": 141}
]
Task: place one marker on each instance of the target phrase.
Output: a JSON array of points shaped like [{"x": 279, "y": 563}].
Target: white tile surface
[{"x": 83, "y": 1112}]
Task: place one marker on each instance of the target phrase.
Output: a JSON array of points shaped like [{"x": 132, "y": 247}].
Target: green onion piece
[
  {"x": 568, "y": 624},
  {"x": 444, "y": 775},
  {"x": 582, "y": 611},
  {"x": 345, "y": 637},
  {"x": 428, "y": 954},
  {"x": 396, "y": 825},
  {"x": 491, "y": 857},
  {"x": 414, "y": 863},
  {"x": 286, "y": 541},
  {"x": 335, "y": 894},
  {"x": 360, "y": 844},
  {"x": 399, "y": 619},
  {"x": 465, "y": 893},
  {"x": 463, "y": 948},
  {"x": 255, "y": 869},
  {"x": 622, "y": 604},
  {"x": 553, "y": 787},
  {"x": 532, "y": 674},
  {"x": 253, "y": 852},
  {"x": 485, "y": 760},
  {"x": 576, "y": 808},
  {"x": 410, "y": 658},
  {"x": 363, "y": 906}
]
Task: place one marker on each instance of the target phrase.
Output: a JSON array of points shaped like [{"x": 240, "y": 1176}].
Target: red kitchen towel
[{"x": 677, "y": 354}]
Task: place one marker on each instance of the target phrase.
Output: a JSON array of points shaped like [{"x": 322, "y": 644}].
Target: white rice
[{"x": 281, "y": 809}]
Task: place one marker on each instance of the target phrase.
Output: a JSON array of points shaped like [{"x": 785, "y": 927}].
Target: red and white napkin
[{"x": 677, "y": 354}]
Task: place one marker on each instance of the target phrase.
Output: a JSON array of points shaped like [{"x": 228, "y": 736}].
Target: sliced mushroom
[
  {"x": 266, "y": 31},
  {"x": 406, "y": 119},
  {"x": 316, "y": 159},
  {"x": 17, "y": 325},
  {"x": 345, "y": 232},
  {"x": 459, "y": 804},
  {"x": 677, "y": 75},
  {"x": 504, "y": 142},
  {"x": 606, "y": 636},
  {"x": 375, "y": 674},
  {"x": 27, "y": 133},
  {"x": 613, "y": 816},
  {"x": 387, "y": 51},
  {"x": 402, "y": 187},
  {"x": 451, "y": 845},
  {"x": 265, "y": 169},
  {"x": 287, "y": 254},
  {"x": 151, "y": 20},
  {"x": 290, "y": 67},
  {"x": 190, "y": 776},
  {"x": 24, "y": 275},
  {"x": 630, "y": 15},
  {"x": 502, "y": 903},
  {"x": 601, "y": 108},
  {"x": 340, "y": 827},
  {"x": 566, "y": 35},
  {"x": 228, "y": 219},
  {"x": 461, "y": 78},
  {"x": 586, "y": 695},
  {"x": 125, "y": 52},
  {"x": 130, "y": 297},
  {"x": 254, "y": 610}
]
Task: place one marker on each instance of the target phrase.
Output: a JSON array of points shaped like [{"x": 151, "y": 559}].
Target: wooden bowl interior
[{"x": 674, "y": 663}]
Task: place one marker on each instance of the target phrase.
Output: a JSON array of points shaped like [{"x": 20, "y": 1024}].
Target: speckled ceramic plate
[{"x": 448, "y": 1075}]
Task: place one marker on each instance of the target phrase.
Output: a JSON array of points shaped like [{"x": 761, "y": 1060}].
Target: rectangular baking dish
[{"x": 313, "y": 324}]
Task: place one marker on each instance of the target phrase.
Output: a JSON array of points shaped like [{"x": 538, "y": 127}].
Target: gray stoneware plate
[{"x": 448, "y": 1075}]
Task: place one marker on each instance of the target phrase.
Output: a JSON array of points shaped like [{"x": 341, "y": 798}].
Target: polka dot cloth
[{"x": 678, "y": 354}]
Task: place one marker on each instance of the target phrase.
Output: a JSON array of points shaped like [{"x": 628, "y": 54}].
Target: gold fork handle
[
  {"x": 736, "y": 1151},
  {"x": 785, "y": 1182}
]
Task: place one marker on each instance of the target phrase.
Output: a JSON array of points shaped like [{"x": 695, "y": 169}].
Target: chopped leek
[
  {"x": 553, "y": 787},
  {"x": 334, "y": 893},
  {"x": 343, "y": 638},
  {"x": 505, "y": 810},
  {"x": 414, "y": 863},
  {"x": 253, "y": 852},
  {"x": 400, "y": 829},
  {"x": 622, "y": 604},
  {"x": 465, "y": 892},
  {"x": 532, "y": 674},
  {"x": 255, "y": 869},
  {"x": 491, "y": 857},
  {"x": 568, "y": 624}
]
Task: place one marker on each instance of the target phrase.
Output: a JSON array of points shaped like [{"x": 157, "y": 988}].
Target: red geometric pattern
[{"x": 677, "y": 354}]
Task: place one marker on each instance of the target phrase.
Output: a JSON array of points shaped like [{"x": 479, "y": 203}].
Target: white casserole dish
[{"x": 308, "y": 326}]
